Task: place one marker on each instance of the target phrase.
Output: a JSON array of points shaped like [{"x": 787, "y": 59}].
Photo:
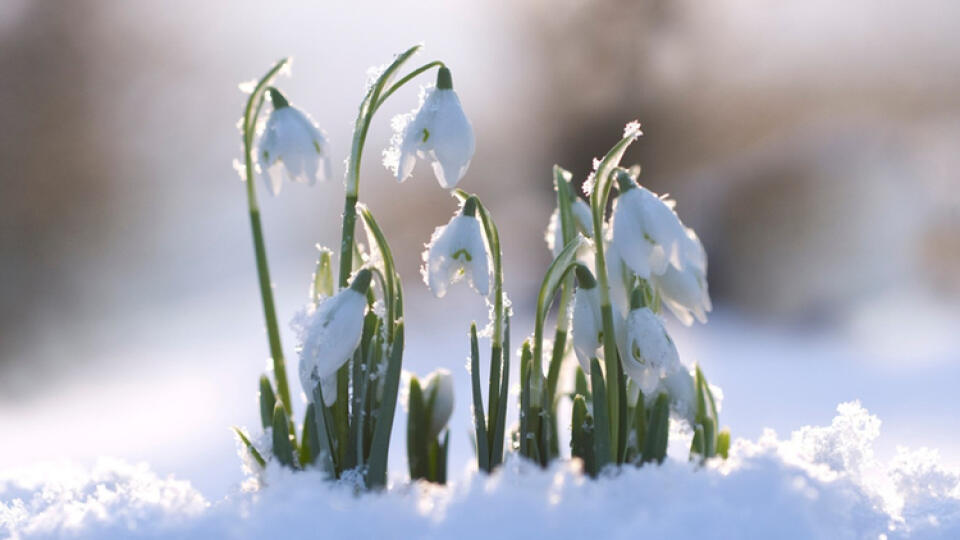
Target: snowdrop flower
[
  {"x": 583, "y": 222},
  {"x": 329, "y": 336},
  {"x": 440, "y": 382},
  {"x": 620, "y": 278},
  {"x": 646, "y": 231},
  {"x": 437, "y": 131},
  {"x": 684, "y": 292},
  {"x": 679, "y": 385},
  {"x": 292, "y": 141},
  {"x": 587, "y": 319},
  {"x": 647, "y": 352},
  {"x": 458, "y": 250}
]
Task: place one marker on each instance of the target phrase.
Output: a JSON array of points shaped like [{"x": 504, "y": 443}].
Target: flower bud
[{"x": 439, "y": 392}]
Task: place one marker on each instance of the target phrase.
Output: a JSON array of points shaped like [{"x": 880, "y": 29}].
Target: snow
[{"x": 821, "y": 481}]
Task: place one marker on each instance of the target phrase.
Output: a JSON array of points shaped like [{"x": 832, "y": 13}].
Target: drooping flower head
[
  {"x": 587, "y": 319},
  {"x": 437, "y": 131},
  {"x": 328, "y": 336},
  {"x": 438, "y": 393},
  {"x": 684, "y": 292},
  {"x": 647, "y": 352},
  {"x": 293, "y": 143},
  {"x": 646, "y": 231},
  {"x": 458, "y": 250}
]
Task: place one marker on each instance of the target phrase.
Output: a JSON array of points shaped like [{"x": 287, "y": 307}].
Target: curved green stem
[
  {"x": 252, "y": 110},
  {"x": 497, "y": 350},
  {"x": 397, "y": 85},
  {"x": 371, "y": 102},
  {"x": 598, "y": 206},
  {"x": 557, "y": 271}
]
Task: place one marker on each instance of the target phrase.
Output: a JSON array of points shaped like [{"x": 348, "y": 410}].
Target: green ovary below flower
[{"x": 292, "y": 143}]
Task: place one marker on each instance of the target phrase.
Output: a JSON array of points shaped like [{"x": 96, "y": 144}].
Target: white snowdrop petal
[
  {"x": 648, "y": 347},
  {"x": 458, "y": 250},
  {"x": 679, "y": 384},
  {"x": 293, "y": 143},
  {"x": 329, "y": 336},
  {"x": 439, "y": 132},
  {"x": 587, "y": 326},
  {"x": 661, "y": 223}
]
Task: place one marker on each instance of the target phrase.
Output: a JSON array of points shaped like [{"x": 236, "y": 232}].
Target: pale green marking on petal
[
  {"x": 426, "y": 135},
  {"x": 464, "y": 253},
  {"x": 317, "y": 146}
]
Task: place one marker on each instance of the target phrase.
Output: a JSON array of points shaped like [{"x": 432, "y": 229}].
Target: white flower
[
  {"x": 679, "y": 385},
  {"x": 455, "y": 251},
  {"x": 441, "y": 383},
  {"x": 620, "y": 278},
  {"x": 438, "y": 131},
  {"x": 583, "y": 222},
  {"x": 684, "y": 292},
  {"x": 646, "y": 231},
  {"x": 587, "y": 326},
  {"x": 647, "y": 352},
  {"x": 292, "y": 141},
  {"x": 329, "y": 335}
]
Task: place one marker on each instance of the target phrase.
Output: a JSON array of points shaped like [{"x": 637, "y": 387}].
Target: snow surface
[{"x": 819, "y": 482}]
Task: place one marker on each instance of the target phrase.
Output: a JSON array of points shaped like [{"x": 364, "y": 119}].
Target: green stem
[
  {"x": 263, "y": 272},
  {"x": 598, "y": 206},
  {"x": 396, "y": 86}
]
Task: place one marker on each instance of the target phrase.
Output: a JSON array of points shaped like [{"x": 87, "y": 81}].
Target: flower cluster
[{"x": 612, "y": 274}]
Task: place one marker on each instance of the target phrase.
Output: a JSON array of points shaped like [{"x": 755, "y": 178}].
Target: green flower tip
[
  {"x": 637, "y": 299},
  {"x": 624, "y": 181},
  {"x": 469, "y": 207},
  {"x": 362, "y": 281},
  {"x": 584, "y": 277},
  {"x": 444, "y": 79},
  {"x": 278, "y": 100}
]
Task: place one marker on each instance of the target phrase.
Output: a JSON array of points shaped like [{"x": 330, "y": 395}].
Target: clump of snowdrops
[{"x": 611, "y": 276}]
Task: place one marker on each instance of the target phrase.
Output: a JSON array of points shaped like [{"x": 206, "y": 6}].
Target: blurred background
[{"x": 814, "y": 147}]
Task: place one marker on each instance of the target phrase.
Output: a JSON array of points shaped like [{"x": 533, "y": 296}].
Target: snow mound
[
  {"x": 820, "y": 482},
  {"x": 113, "y": 499}
]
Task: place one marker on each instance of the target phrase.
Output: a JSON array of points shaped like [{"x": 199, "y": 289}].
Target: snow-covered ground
[{"x": 820, "y": 482}]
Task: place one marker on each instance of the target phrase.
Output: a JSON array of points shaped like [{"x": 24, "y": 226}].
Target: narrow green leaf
[
  {"x": 658, "y": 429},
  {"x": 639, "y": 423},
  {"x": 581, "y": 440},
  {"x": 377, "y": 466},
  {"x": 696, "y": 446},
  {"x": 601, "y": 432},
  {"x": 526, "y": 361},
  {"x": 500, "y": 426},
  {"x": 623, "y": 423},
  {"x": 480, "y": 423},
  {"x": 709, "y": 438},
  {"x": 580, "y": 385},
  {"x": 309, "y": 443},
  {"x": 442, "y": 459},
  {"x": 267, "y": 401},
  {"x": 416, "y": 432},
  {"x": 282, "y": 447},
  {"x": 326, "y": 454},
  {"x": 253, "y": 451}
]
